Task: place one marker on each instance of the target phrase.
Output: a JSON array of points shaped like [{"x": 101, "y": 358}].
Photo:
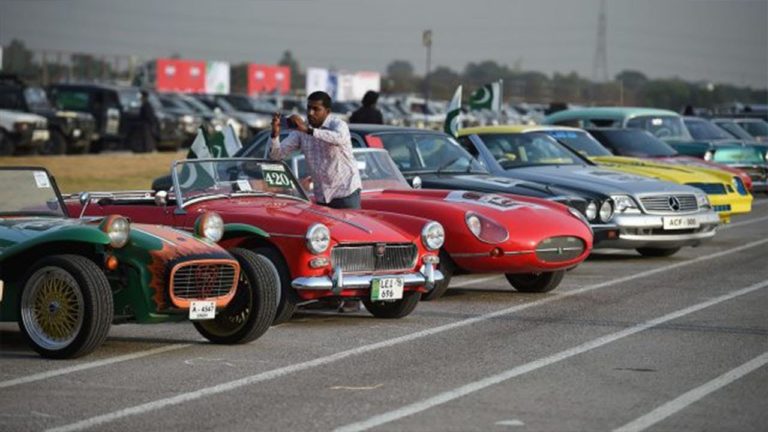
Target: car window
[
  {"x": 512, "y": 150},
  {"x": 36, "y": 98},
  {"x": 581, "y": 142},
  {"x": 634, "y": 143},
  {"x": 75, "y": 100},
  {"x": 596, "y": 122},
  {"x": 467, "y": 145},
  {"x": 660, "y": 126},
  {"x": 704, "y": 130},
  {"x": 33, "y": 193},
  {"x": 755, "y": 128}
]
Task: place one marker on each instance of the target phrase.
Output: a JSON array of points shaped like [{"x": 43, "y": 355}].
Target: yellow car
[{"x": 725, "y": 191}]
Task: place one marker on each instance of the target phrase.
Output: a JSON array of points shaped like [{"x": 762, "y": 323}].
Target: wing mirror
[
  {"x": 416, "y": 182},
  {"x": 161, "y": 198},
  {"x": 85, "y": 199}
]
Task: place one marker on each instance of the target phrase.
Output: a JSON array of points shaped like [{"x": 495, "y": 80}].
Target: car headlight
[
  {"x": 433, "y": 235},
  {"x": 485, "y": 229},
  {"x": 186, "y": 118},
  {"x": 606, "y": 210},
  {"x": 702, "y": 201},
  {"x": 118, "y": 229},
  {"x": 624, "y": 204},
  {"x": 210, "y": 226},
  {"x": 709, "y": 155},
  {"x": 591, "y": 210},
  {"x": 318, "y": 238}
]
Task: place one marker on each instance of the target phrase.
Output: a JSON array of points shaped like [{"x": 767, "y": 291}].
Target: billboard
[
  {"x": 177, "y": 75},
  {"x": 268, "y": 79},
  {"x": 217, "y": 77},
  {"x": 342, "y": 86}
]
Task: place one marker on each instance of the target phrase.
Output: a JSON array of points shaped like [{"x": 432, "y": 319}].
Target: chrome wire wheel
[{"x": 52, "y": 308}]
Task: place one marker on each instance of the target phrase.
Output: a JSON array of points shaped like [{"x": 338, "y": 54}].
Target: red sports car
[
  {"x": 386, "y": 260},
  {"x": 532, "y": 241}
]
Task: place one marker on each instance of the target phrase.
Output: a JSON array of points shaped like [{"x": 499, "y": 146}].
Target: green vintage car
[{"x": 66, "y": 280}]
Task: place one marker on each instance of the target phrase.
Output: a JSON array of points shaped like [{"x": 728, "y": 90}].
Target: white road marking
[
  {"x": 356, "y": 388},
  {"x": 510, "y": 423},
  {"x": 482, "y": 384},
  {"x": 89, "y": 365},
  {"x": 746, "y": 222},
  {"x": 692, "y": 396},
  {"x": 321, "y": 361},
  {"x": 758, "y": 203}
]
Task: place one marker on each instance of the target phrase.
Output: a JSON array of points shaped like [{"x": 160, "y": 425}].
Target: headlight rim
[
  {"x": 480, "y": 218},
  {"x": 591, "y": 208},
  {"x": 309, "y": 238},
  {"x": 118, "y": 229},
  {"x": 425, "y": 235},
  {"x": 208, "y": 221},
  {"x": 611, "y": 208}
]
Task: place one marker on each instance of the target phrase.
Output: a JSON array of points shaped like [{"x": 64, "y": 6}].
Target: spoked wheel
[
  {"x": 535, "y": 282},
  {"x": 66, "y": 307},
  {"x": 446, "y": 267},
  {"x": 252, "y": 310},
  {"x": 394, "y": 309}
]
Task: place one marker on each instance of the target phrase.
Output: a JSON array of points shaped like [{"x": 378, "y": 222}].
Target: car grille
[
  {"x": 558, "y": 249},
  {"x": 669, "y": 203},
  {"x": 722, "y": 208},
  {"x": 364, "y": 258},
  {"x": 196, "y": 280},
  {"x": 710, "y": 188}
]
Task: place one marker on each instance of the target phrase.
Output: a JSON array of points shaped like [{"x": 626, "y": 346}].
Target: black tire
[
  {"x": 56, "y": 145},
  {"x": 657, "y": 252},
  {"x": 288, "y": 298},
  {"x": 447, "y": 268},
  {"x": 535, "y": 282},
  {"x": 6, "y": 145},
  {"x": 393, "y": 309},
  {"x": 252, "y": 310},
  {"x": 82, "y": 324}
]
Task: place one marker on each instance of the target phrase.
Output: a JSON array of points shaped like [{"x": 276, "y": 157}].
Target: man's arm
[
  {"x": 337, "y": 133},
  {"x": 280, "y": 150}
]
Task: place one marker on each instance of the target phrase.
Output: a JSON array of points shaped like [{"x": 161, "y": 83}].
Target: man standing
[
  {"x": 144, "y": 140},
  {"x": 327, "y": 147},
  {"x": 368, "y": 113}
]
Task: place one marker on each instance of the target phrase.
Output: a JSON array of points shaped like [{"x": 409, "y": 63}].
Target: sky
[{"x": 723, "y": 41}]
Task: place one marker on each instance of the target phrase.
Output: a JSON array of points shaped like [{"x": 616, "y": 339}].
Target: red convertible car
[
  {"x": 532, "y": 241},
  {"x": 386, "y": 260}
]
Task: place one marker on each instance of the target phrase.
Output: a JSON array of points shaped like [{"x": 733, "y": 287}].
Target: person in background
[
  {"x": 148, "y": 128},
  {"x": 368, "y": 113}
]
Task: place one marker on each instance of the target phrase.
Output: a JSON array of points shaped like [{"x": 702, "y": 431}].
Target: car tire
[
  {"x": 251, "y": 311},
  {"x": 66, "y": 306},
  {"x": 6, "y": 145},
  {"x": 535, "y": 282},
  {"x": 288, "y": 299},
  {"x": 56, "y": 145},
  {"x": 447, "y": 268},
  {"x": 657, "y": 252},
  {"x": 393, "y": 309}
]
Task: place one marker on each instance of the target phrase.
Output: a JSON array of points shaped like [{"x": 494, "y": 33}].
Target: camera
[{"x": 290, "y": 123}]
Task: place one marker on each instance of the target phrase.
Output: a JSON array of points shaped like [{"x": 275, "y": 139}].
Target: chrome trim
[
  {"x": 488, "y": 254},
  {"x": 325, "y": 283}
]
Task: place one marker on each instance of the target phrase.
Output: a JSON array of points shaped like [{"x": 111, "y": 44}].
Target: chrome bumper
[
  {"x": 338, "y": 281},
  {"x": 631, "y": 229}
]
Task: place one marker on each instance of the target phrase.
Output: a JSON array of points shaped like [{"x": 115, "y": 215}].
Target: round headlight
[
  {"x": 118, "y": 229},
  {"x": 210, "y": 226},
  {"x": 606, "y": 211},
  {"x": 709, "y": 155},
  {"x": 433, "y": 235},
  {"x": 318, "y": 238},
  {"x": 591, "y": 210},
  {"x": 474, "y": 225}
]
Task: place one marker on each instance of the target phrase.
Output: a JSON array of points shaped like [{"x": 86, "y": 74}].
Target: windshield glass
[
  {"x": 738, "y": 155},
  {"x": 580, "y": 141},
  {"x": 32, "y": 193},
  {"x": 515, "y": 150},
  {"x": 71, "y": 99},
  {"x": 231, "y": 177},
  {"x": 377, "y": 171},
  {"x": 755, "y": 128},
  {"x": 130, "y": 98},
  {"x": 660, "y": 126},
  {"x": 241, "y": 103},
  {"x": 196, "y": 105},
  {"x": 634, "y": 143},
  {"x": 416, "y": 152},
  {"x": 704, "y": 130},
  {"x": 36, "y": 98},
  {"x": 261, "y": 105},
  {"x": 735, "y": 130}
]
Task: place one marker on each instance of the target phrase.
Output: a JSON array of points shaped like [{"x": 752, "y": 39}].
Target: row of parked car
[{"x": 236, "y": 245}]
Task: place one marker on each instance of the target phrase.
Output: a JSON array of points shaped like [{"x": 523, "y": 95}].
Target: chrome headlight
[
  {"x": 591, "y": 210},
  {"x": 473, "y": 223},
  {"x": 702, "y": 201},
  {"x": 624, "y": 204},
  {"x": 433, "y": 235},
  {"x": 485, "y": 229},
  {"x": 606, "y": 211},
  {"x": 577, "y": 214},
  {"x": 318, "y": 238},
  {"x": 709, "y": 155},
  {"x": 210, "y": 226},
  {"x": 118, "y": 229}
]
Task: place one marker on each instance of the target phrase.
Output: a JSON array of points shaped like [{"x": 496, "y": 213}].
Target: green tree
[
  {"x": 17, "y": 59},
  {"x": 400, "y": 78},
  {"x": 443, "y": 82},
  {"x": 297, "y": 76},
  {"x": 632, "y": 80}
]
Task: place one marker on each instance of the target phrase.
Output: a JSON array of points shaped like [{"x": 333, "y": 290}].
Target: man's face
[{"x": 316, "y": 113}]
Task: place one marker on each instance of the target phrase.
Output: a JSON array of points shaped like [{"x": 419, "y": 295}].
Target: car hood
[
  {"x": 488, "y": 184},
  {"x": 669, "y": 172},
  {"x": 17, "y": 230},
  {"x": 282, "y": 216}
]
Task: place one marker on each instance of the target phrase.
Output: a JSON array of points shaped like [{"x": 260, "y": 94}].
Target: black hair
[
  {"x": 322, "y": 97},
  {"x": 370, "y": 98}
]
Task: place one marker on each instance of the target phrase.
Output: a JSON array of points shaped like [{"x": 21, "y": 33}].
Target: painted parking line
[
  {"x": 476, "y": 386},
  {"x": 322, "y": 361},
  {"x": 742, "y": 223},
  {"x": 692, "y": 396},
  {"x": 89, "y": 365}
]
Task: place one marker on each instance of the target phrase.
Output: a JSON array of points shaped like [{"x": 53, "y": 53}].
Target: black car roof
[{"x": 99, "y": 86}]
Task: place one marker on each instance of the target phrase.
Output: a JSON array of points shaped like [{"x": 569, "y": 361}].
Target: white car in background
[{"x": 22, "y": 132}]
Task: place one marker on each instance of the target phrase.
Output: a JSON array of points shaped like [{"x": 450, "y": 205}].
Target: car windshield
[
  {"x": 74, "y": 100},
  {"x": 33, "y": 193},
  {"x": 196, "y": 105},
  {"x": 419, "y": 153},
  {"x": 755, "y": 128},
  {"x": 130, "y": 98},
  {"x": 240, "y": 103},
  {"x": 232, "y": 177},
  {"x": 516, "y": 150},
  {"x": 261, "y": 105},
  {"x": 735, "y": 130},
  {"x": 661, "y": 126},
  {"x": 36, "y": 98},
  {"x": 705, "y": 130},
  {"x": 377, "y": 170},
  {"x": 738, "y": 155},
  {"x": 580, "y": 141},
  {"x": 634, "y": 143}
]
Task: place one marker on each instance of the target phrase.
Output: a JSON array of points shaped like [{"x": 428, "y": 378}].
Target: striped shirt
[{"x": 328, "y": 153}]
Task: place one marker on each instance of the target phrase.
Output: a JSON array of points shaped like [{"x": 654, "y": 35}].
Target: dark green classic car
[{"x": 66, "y": 280}]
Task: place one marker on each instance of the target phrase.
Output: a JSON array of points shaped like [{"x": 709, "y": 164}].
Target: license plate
[
  {"x": 112, "y": 127},
  {"x": 387, "y": 289},
  {"x": 40, "y": 135},
  {"x": 680, "y": 222},
  {"x": 202, "y": 310}
]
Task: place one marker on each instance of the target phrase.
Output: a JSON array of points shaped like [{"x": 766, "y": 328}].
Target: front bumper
[
  {"x": 337, "y": 282},
  {"x": 645, "y": 230}
]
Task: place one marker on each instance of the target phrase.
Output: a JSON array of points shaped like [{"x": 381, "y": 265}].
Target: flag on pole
[
  {"x": 193, "y": 174},
  {"x": 487, "y": 97},
  {"x": 453, "y": 116},
  {"x": 231, "y": 142},
  {"x": 199, "y": 148}
]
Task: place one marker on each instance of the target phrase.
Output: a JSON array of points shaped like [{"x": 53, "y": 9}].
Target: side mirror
[
  {"x": 416, "y": 182},
  {"x": 85, "y": 199},
  {"x": 161, "y": 198}
]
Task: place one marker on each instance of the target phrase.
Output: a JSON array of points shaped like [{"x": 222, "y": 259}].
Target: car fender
[
  {"x": 239, "y": 229},
  {"x": 72, "y": 234}
]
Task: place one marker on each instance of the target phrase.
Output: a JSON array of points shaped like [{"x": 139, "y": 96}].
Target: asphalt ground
[{"x": 625, "y": 343}]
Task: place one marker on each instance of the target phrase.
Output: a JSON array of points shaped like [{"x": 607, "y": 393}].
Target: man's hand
[
  {"x": 299, "y": 122},
  {"x": 275, "y": 125}
]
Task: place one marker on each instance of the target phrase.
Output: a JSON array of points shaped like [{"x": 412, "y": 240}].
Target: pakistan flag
[
  {"x": 453, "y": 116},
  {"x": 486, "y": 97}
]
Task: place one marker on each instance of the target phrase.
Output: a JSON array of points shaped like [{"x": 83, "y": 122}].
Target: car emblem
[
  {"x": 674, "y": 203},
  {"x": 381, "y": 249},
  {"x": 207, "y": 278}
]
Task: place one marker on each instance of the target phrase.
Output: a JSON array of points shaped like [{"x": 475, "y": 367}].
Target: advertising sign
[
  {"x": 268, "y": 79},
  {"x": 176, "y": 75}
]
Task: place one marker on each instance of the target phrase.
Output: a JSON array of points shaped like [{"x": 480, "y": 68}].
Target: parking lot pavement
[{"x": 626, "y": 341}]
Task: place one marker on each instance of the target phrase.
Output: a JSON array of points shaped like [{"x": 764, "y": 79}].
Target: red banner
[
  {"x": 175, "y": 75},
  {"x": 265, "y": 79}
]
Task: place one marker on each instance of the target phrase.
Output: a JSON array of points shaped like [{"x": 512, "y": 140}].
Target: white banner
[{"x": 217, "y": 77}]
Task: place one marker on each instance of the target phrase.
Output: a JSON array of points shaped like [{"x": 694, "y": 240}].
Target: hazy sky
[{"x": 718, "y": 41}]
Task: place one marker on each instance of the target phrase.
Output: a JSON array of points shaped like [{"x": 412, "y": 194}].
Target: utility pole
[
  {"x": 426, "y": 40},
  {"x": 600, "y": 65}
]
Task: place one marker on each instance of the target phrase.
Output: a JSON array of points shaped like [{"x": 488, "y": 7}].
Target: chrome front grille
[
  {"x": 669, "y": 203},
  {"x": 559, "y": 249},
  {"x": 374, "y": 257},
  {"x": 710, "y": 188},
  {"x": 200, "y": 280}
]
